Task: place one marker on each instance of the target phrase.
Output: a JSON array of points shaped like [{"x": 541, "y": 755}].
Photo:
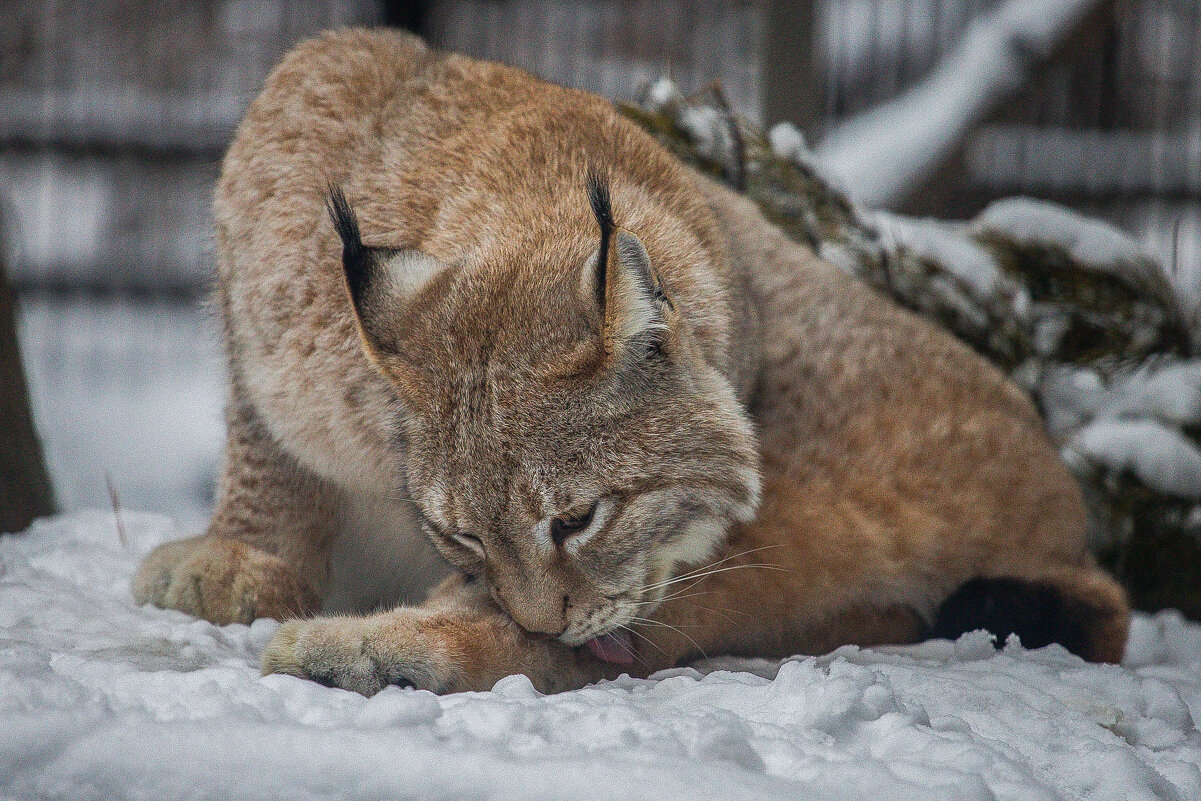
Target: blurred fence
[
  {"x": 113, "y": 117},
  {"x": 613, "y": 48}
]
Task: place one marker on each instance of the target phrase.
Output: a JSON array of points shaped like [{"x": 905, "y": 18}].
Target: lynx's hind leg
[
  {"x": 1081, "y": 608},
  {"x": 265, "y": 553}
]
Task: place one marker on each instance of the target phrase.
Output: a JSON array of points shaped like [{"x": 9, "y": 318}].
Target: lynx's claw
[
  {"x": 223, "y": 581},
  {"x": 366, "y": 655}
]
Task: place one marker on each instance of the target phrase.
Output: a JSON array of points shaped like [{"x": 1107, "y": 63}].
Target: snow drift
[{"x": 102, "y": 699}]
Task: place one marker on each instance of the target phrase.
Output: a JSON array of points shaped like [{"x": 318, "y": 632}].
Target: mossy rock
[{"x": 1150, "y": 541}]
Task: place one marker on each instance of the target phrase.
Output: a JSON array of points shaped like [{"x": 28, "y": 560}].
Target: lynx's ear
[
  {"x": 380, "y": 281},
  {"x": 619, "y": 277}
]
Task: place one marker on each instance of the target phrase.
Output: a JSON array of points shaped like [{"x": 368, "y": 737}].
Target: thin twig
[{"x": 738, "y": 179}]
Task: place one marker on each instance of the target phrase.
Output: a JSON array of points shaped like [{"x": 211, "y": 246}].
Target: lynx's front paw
[
  {"x": 223, "y": 581},
  {"x": 407, "y": 647}
]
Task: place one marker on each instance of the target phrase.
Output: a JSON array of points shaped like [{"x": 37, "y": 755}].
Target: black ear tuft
[
  {"x": 598, "y": 197},
  {"x": 357, "y": 260}
]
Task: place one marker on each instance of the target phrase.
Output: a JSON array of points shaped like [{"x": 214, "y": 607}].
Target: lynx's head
[{"x": 568, "y": 441}]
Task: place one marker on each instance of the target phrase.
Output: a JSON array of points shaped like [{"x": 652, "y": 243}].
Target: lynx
[{"x": 514, "y": 391}]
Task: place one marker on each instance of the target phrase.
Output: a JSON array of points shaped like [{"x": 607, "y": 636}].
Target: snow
[
  {"x": 128, "y": 387},
  {"x": 1089, "y": 242},
  {"x": 1162, "y": 458},
  {"x": 101, "y": 699},
  {"x": 946, "y": 245}
]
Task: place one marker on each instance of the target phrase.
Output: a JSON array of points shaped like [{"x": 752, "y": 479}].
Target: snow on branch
[
  {"x": 1162, "y": 458},
  {"x": 887, "y": 152}
]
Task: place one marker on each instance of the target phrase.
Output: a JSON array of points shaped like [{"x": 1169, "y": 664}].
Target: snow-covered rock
[
  {"x": 102, "y": 699},
  {"x": 1087, "y": 241},
  {"x": 709, "y": 130},
  {"x": 1135, "y": 423},
  {"x": 1161, "y": 457},
  {"x": 788, "y": 142},
  {"x": 940, "y": 242},
  {"x": 1171, "y": 394},
  {"x": 662, "y": 95}
]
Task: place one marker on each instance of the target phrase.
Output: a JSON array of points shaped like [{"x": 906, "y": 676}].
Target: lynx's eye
[
  {"x": 563, "y": 527},
  {"x": 468, "y": 541},
  {"x": 473, "y": 544}
]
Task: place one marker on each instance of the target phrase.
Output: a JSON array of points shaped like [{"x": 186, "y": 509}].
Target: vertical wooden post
[
  {"x": 411, "y": 15},
  {"x": 25, "y": 491},
  {"x": 793, "y": 85}
]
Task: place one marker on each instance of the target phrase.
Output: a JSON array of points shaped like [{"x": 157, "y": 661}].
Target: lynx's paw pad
[
  {"x": 406, "y": 648},
  {"x": 223, "y": 581}
]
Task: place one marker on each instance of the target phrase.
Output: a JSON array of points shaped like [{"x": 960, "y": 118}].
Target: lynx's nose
[{"x": 537, "y": 616}]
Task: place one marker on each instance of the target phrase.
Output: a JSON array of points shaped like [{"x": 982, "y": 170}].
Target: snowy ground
[
  {"x": 101, "y": 699},
  {"x": 132, "y": 387}
]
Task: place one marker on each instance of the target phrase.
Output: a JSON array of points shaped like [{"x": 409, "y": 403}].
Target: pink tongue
[{"x": 616, "y": 646}]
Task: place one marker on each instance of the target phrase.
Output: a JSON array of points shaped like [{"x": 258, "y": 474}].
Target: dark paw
[{"x": 324, "y": 679}]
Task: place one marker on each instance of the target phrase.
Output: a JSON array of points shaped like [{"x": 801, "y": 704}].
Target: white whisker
[
  {"x": 649, "y": 641},
  {"x": 722, "y": 613},
  {"x": 692, "y": 573},
  {"x": 647, "y": 620},
  {"x": 714, "y": 572},
  {"x": 681, "y": 594}
]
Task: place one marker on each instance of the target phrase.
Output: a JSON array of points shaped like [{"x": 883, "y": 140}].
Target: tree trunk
[
  {"x": 25, "y": 491},
  {"x": 793, "y": 87}
]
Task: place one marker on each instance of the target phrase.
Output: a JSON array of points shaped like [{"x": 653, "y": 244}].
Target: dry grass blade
[{"x": 112, "y": 496}]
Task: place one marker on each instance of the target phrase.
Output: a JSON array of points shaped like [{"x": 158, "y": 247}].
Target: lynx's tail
[{"x": 1083, "y": 610}]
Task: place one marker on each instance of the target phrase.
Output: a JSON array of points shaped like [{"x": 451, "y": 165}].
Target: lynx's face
[{"x": 567, "y": 442}]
